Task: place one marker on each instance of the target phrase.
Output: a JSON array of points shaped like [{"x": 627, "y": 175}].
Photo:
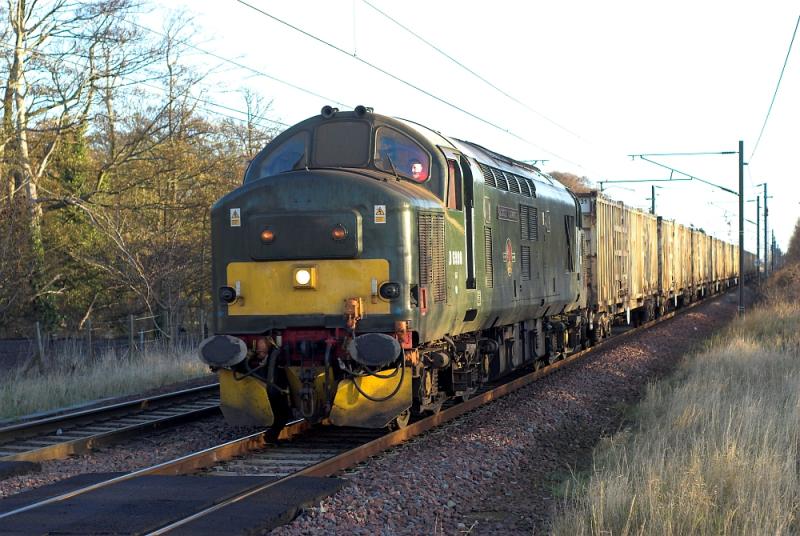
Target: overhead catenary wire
[
  {"x": 253, "y": 70},
  {"x": 404, "y": 81},
  {"x": 254, "y": 119},
  {"x": 203, "y": 51},
  {"x": 472, "y": 72},
  {"x": 777, "y": 87}
]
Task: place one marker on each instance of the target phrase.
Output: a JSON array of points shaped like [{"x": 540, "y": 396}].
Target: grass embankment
[
  {"x": 715, "y": 447},
  {"x": 72, "y": 378}
]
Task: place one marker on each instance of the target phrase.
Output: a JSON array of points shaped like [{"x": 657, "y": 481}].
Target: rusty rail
[
  {"x": 238, "y": 447},
  {"x": 59, "y": 436}
]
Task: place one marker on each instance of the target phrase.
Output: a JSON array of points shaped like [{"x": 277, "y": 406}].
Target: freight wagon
[
  {"x": 638, "y": 265},
  {"x": 621, "y": 259}
]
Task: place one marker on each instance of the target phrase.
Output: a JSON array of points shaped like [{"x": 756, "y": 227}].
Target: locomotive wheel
[
  {"x": 401, "y": 421},
  {"x": 466, "y": 395},
  {"x": 435, "y": 409}
]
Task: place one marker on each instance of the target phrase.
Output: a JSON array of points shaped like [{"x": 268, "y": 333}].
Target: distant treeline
[{"x": 109, "y": 163}]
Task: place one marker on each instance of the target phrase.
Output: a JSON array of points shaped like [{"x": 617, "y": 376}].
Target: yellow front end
[
  {"x": 315, "y": 287},
  {"x": 271, "y": 288}
]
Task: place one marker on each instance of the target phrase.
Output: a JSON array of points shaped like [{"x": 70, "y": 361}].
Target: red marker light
[
  {"x": 339, "y": 232},
  {"x": 267, "y": 236}
]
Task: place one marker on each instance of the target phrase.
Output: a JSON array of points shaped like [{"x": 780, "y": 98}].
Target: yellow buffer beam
[
  {"x": 244, "y": 401},
  {"x": 391, "y": 396}
]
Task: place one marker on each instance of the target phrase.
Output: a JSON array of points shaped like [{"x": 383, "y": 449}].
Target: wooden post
[
  {"x": 89, "y": 345},
  {"x": 39, "y": 348},
  {"x": 130, "y": 335}
]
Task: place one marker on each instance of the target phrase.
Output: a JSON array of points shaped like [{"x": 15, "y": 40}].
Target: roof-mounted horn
[{"x": 328, "y": 111}]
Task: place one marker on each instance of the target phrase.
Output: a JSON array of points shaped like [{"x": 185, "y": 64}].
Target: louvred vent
[
  {"x": 432, "y": 255},
  {"x": 488, "y": 265},
  {"x": 525, "y": 254}
]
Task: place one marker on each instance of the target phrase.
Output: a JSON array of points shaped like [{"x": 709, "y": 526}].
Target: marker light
[
  {"x": 305, "y": 277},
  {"x": 227, "y": 294},
  {"x": 339, "y": 232},
  {"x": 267, "y": 236}
]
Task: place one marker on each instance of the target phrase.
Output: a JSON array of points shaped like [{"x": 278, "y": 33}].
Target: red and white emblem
[{"x": 509, "y": 257}]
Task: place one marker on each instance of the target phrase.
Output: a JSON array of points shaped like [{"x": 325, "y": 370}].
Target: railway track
[
  {"x": 299, "y": 451},
  {"x": 59, "y": 436}
]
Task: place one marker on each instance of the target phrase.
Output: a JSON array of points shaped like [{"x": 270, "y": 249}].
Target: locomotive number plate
[{"x": 507, "y": 213}]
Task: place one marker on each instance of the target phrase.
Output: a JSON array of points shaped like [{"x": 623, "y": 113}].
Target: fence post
[
  {"x": 39, "y": 347},
  {"x": 202, "y": 325},
  {"x": 130, "y": 335},
  {"x": 89, "y": 344},
  {"x": 141, "y": 341}
]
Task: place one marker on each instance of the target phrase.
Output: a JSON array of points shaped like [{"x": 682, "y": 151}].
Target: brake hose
[{"x": 390, "y": 395}]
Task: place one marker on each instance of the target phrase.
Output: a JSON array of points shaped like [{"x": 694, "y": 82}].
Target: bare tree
[
  {"x": 251, "y": 133},
  {"x": 59, "y": 53},
  {"x": 573, "y": 182}
]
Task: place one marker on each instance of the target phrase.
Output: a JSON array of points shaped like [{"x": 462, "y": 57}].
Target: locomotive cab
[{"x": 358, "y": 140}]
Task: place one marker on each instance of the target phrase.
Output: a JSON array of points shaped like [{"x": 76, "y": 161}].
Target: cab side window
[
  {"x": 454, "y": 200},
  {"x": 397, "y": 153}
]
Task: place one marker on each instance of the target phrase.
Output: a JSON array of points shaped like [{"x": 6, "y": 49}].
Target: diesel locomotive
[{"x": 370, "y": 268}]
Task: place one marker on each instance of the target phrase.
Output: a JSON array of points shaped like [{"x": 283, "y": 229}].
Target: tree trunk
[{"x": 22, "y": 170}]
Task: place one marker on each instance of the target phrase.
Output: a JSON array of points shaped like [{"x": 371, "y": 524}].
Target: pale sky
[{"x": 604, "y": 80}]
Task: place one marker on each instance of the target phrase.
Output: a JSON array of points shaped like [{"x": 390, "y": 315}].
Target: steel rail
[
  {"x": 184, "y": 464},
  {"x": 244, "y": 445},
  {"x": 357, "y": 455},
  {"x": 59, "y": 436}
]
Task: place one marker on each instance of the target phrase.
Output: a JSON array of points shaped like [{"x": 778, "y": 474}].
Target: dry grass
[
  {"x": 715, "y": 448},
  {"x": 71, "y": 379}
]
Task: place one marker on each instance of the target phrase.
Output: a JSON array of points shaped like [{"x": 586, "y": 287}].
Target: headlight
[
  {"x": 390, "y": 291},
  {"x": 302, "y": 277},
  {"x": 305, "y": 277}
]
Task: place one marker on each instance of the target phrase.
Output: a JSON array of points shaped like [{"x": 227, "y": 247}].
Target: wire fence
[{"x": 124, "y": 338}]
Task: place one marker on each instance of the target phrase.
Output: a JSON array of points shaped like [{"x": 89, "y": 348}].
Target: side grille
[
  {"x": 488, "y": 265},
  {"x": 532, "y": 186},
  {"x": 488, "y": 176},
  {"x": 528, "y": 222},
  {"x": 502, "y": 183},
  {"x": 525, "y": 253},
  {"x": 524, "y": 214},
  {"x": 507, "y": 181},
  {"x": 525, "y": 187},
  {"x": 432, "y": 254}
]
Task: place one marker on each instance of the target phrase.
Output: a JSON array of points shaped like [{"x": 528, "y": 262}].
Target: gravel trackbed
[{"x": 497, "y": 470}]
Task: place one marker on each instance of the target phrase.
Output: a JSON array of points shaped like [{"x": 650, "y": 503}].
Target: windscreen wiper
[
  {"x": 394, "y": 169},
  {"x": 297, "y": 163}
]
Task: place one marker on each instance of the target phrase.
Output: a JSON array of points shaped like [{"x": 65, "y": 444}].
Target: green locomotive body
[{"x": 370, "y": 268}]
